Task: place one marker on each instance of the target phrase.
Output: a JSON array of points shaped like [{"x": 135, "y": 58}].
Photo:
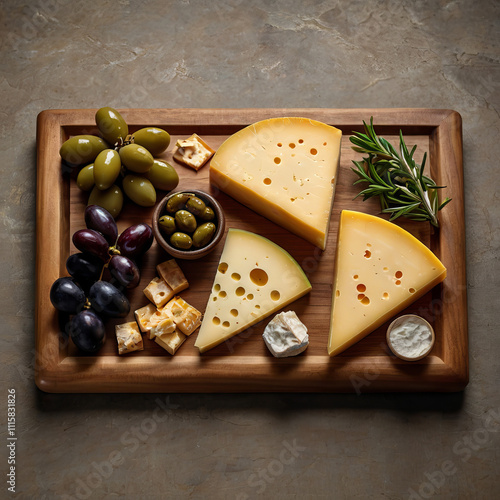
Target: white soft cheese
[
  {"x": 411, "y": 338},
  {"x": 286, "y": 335}
]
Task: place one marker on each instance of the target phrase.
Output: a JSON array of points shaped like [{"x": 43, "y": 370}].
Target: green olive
[
  {"x": 185, "y": 221},
  {"x": 136, "y": 158},
  {"x": 167, "y": 224},
  {"x": 139, "y": 190},
  {"x": 208, "y": 214},
  {"x": 111, "y": 199},
  {"x": 107, "y": 168},
  {"x": 195, "y": 205},
  {"x": 82, "y": 149},
  {"x": 177, "y": 202},
  {"x": 163, "y": 176},
  {"x": 85, "y": 178},
  {"x": 111, "y": 125},
  {"x": 155, "y": 140},
  {"x": 182, "y": 241},
  {"x": 204, "y": 234}
]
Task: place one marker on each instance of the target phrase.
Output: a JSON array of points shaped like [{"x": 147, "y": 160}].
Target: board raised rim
[{"x": 56, "y": 373}]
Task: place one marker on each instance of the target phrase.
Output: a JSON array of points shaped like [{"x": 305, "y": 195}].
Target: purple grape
[
  {"x": 106, "y": 299},
  {"x": 135, "y": 240},
  {"x": 66, "y": 296},
  {"x": 124, "y": 270},
  {"x": 101, "y": 220},
  {"x": 91, "y": 241},
  {"x": 85, "y": 268},
  {"x": 87, "y": 331}
]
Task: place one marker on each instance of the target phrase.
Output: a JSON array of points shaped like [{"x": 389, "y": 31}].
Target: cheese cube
[
  {"x": 172, "y": 274},
  {"x": 171, "y": 341},
  {"x": 143, "y": 317},
  {"x": 186, "y": 317},
  {"x": 164, "y": 327},
  {"x": 129, "y": 338},
  {"x": 285, "y": 335},
  {"x": 193, "y": 152},
  {"x": 158, "y": 292}
]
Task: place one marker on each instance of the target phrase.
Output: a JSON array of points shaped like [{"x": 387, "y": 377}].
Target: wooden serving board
[{"x": 243, "y": 364}]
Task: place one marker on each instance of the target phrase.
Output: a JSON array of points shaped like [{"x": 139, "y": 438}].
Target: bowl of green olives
[{"x": 188, "y": 224}]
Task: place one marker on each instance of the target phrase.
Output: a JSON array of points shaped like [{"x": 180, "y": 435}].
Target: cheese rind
[
  {"x": 286, "y": 170},
  {"x": 380, "y": 269},
  {"x": 254, "y": 279}
]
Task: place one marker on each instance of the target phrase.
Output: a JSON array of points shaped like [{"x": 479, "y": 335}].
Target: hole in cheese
[
  {"x": 355, "y": 277},
  {"x": 267, "y": 181},
  {"x": 365, "y": 301},
  {"x": 216, "y": 320},
  {"x": 223, "y": 267},
  {"x": 385, "y": 296},
  {"x": 259, "y": 277},
  {"x": 240, "y": 291},
  {"x": 222, "y": 294},
  {"x": 368, "y": 254},
  {"x": 337, "y": 293},
  {"x": 361, "y": 288},
  {"x": 257, "y": 306},
  {"x": 234, "y": 312},
  {"x": 275, "y": 295},
  {"x": 279, "y": 144},
  {"x": 412, "y": 290},
  {"x": 398, "y": 274},
  {"x": 398, "y": 282},
  {"x": 216, "y": 287},
  {"x": 277, "y": 160},
  {"x": 250, "y": 296},
  {"x": 236, "y": 276},
  {"x": 226, "y": 324},
  {"x": 301, "y": 141},
  {"x": 292, "y": 145},
  {"x": 314, "y": 151}
]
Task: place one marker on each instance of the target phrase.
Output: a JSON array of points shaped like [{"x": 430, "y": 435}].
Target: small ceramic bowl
[
  {"x": 194, "y": 253},
  {"x": 402, "y": 319}
]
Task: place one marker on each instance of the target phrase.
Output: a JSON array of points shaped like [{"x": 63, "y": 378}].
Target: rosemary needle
[{"x": 395, "y": 178}]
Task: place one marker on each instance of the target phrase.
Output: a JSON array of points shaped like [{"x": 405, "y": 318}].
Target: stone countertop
[{"x": 338, "y": 54}]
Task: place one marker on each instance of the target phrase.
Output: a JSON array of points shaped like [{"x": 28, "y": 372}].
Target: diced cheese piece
[
  {"x": 285, "y": 335},
  {"x": 158, "y": 292},
  {"x": 129, "y": 337},
  {"x": 255, "y": 278},
  {"x": 380, "y": 269},
  {"x": 171, "y": 341},
  {"x": 186, "y": 317},
  {"x": 286, "y": 170},
  {"x": 143, "y": 317},
  {"x": 172, "y": 274},
  {"x": 193, "y": 152},
  {"x": 164, "y": 327}
]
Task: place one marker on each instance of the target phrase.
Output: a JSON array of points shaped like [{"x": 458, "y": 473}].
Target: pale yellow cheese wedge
[
  {"x": 284, "y": 169},
  {"x": 254, "y": 279},
  {"x": 380, "y": 269}
]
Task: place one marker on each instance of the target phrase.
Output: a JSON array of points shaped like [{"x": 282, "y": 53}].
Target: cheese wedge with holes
[
  {"x": 254, "y": 279},
  {"x": 284, "y": 169},
  {"x": 380, "y": 269}
]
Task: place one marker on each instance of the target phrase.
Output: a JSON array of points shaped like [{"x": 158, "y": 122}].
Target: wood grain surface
[{"x": 243, "y": 363}]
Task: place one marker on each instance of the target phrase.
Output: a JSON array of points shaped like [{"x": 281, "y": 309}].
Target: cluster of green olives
[
  {"x": 120, "y": 162},
  {"x": 188, "y": 221}
]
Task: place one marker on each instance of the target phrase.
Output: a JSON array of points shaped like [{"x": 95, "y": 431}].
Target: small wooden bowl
[
  {"x": 220, "y": 222},
  {"x": 400, "y": 320}
]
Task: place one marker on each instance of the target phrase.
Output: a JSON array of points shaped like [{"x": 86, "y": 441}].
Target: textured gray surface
[{"x": 62, "y": 54}]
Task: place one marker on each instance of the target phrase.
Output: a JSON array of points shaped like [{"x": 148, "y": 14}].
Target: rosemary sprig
[{"x": 395, "y": 177}]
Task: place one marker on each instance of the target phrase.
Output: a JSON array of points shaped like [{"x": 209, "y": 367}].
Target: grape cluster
[
  {"x": 120, "y": 162},
  {"x": 84, "y": 295}
]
